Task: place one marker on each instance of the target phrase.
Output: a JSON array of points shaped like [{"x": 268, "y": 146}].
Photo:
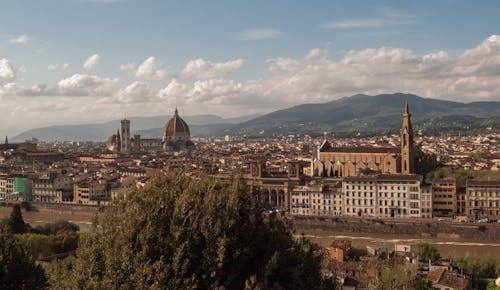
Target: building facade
[
  {"x": 444, "y": 195},
  {"x": 335, "y": 161},
  {"x": 483, "y": 199},
  {"x": 53, "y": 188},
  {"x": 125, "y": 136},
  {"x": 316, "y": 199},
  {"x": 383, "y": 195}
]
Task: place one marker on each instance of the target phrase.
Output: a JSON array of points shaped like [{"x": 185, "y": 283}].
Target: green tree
[
  {"x": 16, "y": 223},
  {"x": 427, "y": 252},
  {"x": 184, "y": 232},
  {"x": 492, "y": 286},
  {"x": 38, "y": 245},
  {"x": 17, "y": 268}
]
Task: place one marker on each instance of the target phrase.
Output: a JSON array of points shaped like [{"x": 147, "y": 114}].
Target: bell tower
[{"x": 407, "y": 144}]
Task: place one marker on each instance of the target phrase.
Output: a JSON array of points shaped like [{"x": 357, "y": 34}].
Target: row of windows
[
  {"x": 380, "y": 194},
  {"x": 491, "y": 194},
  {"x": 392, "y": 187},
  {"x": 443, "y": 196},
  {"x": 484, "y": 203}
]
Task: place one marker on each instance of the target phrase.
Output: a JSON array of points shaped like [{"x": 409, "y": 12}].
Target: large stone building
[
  {"x": 176, "y": 134},
  {"x": 483, "y": 199},
  {"x": 336, "y": 161}
]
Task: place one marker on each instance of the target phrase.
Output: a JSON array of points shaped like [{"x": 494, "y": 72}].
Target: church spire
[
  {"x": 407, "y": 144},
  {"x": 6, "y": 140}
]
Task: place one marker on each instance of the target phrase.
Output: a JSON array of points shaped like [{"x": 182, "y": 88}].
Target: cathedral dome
[{"x": 176, "y": 129}]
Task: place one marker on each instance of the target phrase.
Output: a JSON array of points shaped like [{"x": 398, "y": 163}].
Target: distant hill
[
  {"x": 363, "y": 113},
  {"x": 149, "y": 125},
  {"x": 359, "y": 113}
]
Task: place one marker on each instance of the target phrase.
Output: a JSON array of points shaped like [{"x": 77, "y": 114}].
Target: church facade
[{"x": 339, "y": 162}]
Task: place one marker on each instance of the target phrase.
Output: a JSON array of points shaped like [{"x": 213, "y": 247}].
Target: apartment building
[
  {"x": 444, "y": 196},
  {"x": 483, "y": 199},
  {"x": 316, "y": 199},
  {"x": 426, "y": 201},
  {"x": 383, "y": 195},
  {"x": 53, "y": 187}
]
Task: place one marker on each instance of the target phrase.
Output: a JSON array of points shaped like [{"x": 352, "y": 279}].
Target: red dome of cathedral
[{"x": 176, "y": 129}]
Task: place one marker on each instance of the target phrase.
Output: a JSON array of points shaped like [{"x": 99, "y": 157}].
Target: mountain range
[{"x": 358, "y": 113}]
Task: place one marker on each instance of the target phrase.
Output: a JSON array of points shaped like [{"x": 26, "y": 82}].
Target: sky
[{"x": 86, "y": 61}]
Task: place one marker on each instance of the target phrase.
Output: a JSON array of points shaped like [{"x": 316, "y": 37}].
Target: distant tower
[
  {"x": 125, "y": 144},
  {"x": 137, "y": 143},
  {"x": 6, "y": 140},
  {"x": 407, "y": 144},
  {"x": 118, "y": 143}
]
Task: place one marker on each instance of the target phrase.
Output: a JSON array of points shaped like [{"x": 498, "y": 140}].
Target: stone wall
[{"x": 409, "y": 228}]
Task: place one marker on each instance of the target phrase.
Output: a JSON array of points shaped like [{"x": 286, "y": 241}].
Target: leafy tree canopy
[
  {"x": 17, "y": 268},
  {"x": 190, "y": 232}
]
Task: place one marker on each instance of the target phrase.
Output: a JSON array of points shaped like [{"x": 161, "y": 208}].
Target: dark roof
[
  {"x": 176, "y": 126},
  {"x": 483, "y": 182},
  {"x": 377, "y": 177},
  {"x": 361, "y": 149}
]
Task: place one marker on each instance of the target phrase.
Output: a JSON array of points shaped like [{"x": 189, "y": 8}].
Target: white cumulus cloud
[
  {"x": 173, "y": 89},
  {"x": 86, "y": 85},
  {"x": 127, "y": 67},
  {"x": 92, "y": 61},
  {"x": 204, "y": 69},
  {"x": 6, "y": 71},
  {"x": 150, "y": 69},
  {"x": 136, "y": 91}
]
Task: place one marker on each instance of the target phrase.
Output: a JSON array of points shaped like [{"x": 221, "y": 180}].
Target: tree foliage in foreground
[
  {"x": 15, "y": 223},
  {"x": 190, "y": 233},
  {"x": 17, "y": 268}
]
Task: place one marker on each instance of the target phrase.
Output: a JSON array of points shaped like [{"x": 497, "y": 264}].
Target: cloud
[
  {"x": 259, "y": 34},
  {"x": 37, "y": 107},
  {"x": 52, "y": 66},
  {"x": 315, "y": 77},
  {"x": 92, "y": 61},
  {"x": 136, "y": 91},
  {"x": 203, "y": 69},
  {"x": 150, "y": 69},
  {"x": 470, "y": 75},
  {"x": 127, "y": 67},
  {"x": 387, "y": 17},
  {"x": 6, "y": 72},
  {"x": 172, "y": 90},
  {"x": 21, "y": 39},
  {"x": 86, "y": 85}
]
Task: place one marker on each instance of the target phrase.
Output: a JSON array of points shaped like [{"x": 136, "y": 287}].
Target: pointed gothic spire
[
  {"x": 407, "y": 108},
  {"x": 6, "y": 140}
]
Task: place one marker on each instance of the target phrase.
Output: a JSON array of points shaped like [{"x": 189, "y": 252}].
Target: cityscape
[{"x": 365, "y": 168}]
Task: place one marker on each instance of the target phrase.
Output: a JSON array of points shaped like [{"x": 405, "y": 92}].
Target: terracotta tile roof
[{"x": 449, "y": 279}]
